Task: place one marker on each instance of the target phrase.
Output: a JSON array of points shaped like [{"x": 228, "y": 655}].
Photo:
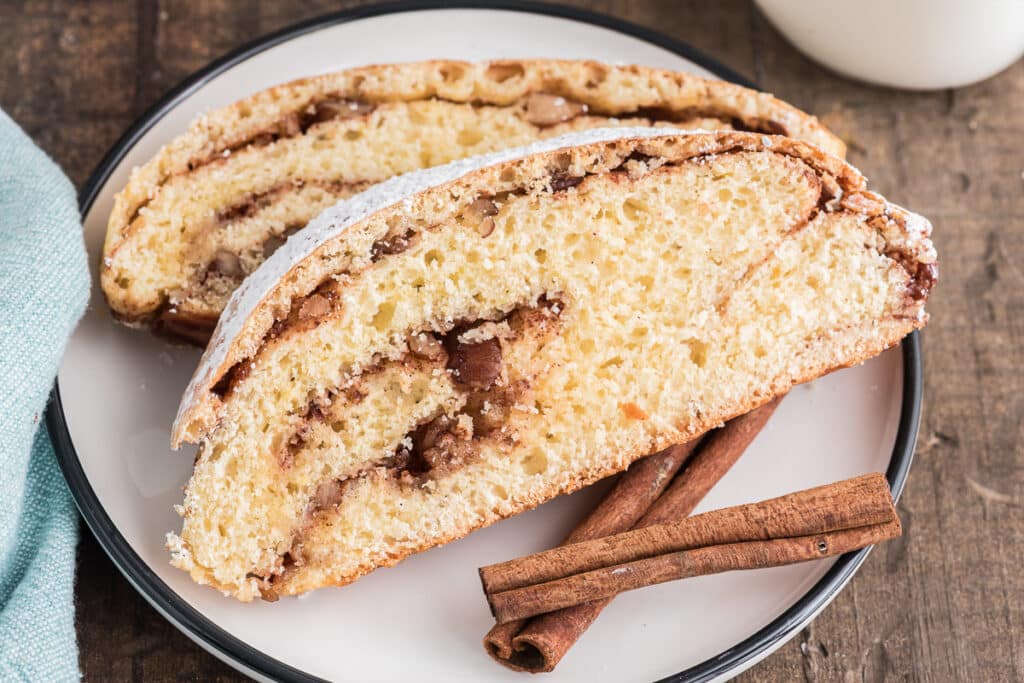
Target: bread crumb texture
[
  {"x": 620, "y": 298},
  {"x": 218, "y": 200}
]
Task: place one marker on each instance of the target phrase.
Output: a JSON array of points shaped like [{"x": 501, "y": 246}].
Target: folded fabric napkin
[{"x": 44, "y": 285}]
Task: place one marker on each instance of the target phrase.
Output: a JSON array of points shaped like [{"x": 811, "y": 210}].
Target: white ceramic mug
[{"x": 915, "y": 44}]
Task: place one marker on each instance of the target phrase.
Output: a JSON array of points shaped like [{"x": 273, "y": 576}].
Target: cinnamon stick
[
  {"x": 619, "y": 510},
  {"x": 633, "y": 494},
  {"x": 798, "y": 527},
  {"x": 538, "y": 644}
]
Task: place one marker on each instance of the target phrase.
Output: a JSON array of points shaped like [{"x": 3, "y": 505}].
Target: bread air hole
[
  {"x": 698, "y": 352},
  {"x": 469, "y": 137},
  {"x": 596, "y": 75},
  {"x": 385, "y": 312},
  {"x": 633, "y": 209},
  {"x": 500, "y": 73},
  {"x": 452, "y": 73},
  {"x": 534, "y": 462}
]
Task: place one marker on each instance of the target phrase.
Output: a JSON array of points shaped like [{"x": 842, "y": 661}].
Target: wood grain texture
[{"x": 942, "y": 603}]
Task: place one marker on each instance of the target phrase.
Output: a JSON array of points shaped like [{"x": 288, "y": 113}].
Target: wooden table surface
[{"x": 944, "y": 603}]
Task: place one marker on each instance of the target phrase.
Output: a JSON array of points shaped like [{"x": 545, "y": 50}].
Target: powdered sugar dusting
[
  {"x": 917, "y": 226},
  {"x": 336, "y": 219}
]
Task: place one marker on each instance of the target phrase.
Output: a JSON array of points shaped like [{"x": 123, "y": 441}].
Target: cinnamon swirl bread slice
[
  {"x": 460, "y": 344},
  {"x": 210, "y": 207}
]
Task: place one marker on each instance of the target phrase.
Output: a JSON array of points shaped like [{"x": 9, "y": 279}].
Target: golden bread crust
[{"x": 612, "y": 90}]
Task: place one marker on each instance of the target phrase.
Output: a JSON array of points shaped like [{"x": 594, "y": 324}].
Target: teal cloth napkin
[{"x": 44, "y": 286}]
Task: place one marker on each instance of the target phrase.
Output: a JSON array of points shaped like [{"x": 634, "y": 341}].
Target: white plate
[{"x": 118, "y": 390}]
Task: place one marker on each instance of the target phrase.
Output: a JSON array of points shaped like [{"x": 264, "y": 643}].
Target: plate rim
[{"x": 248, "y": 659}]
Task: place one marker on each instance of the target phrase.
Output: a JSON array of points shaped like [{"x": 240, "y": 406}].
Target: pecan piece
[
  {"x": 479, "y": 214},
  {"x": 329, "y": 494},
  {"x": 336, "y": 108},
  {"x": 543, "y": 109},
  {"x": 393, "y": 244},
  {"x": 484, "y": 207},
  {"x": 315, "y": 306},
  {"x": 426, "y": 346},
  {"x": 427, "y": 436},
  {"x": 563, "y": 181},
  {"x": 476, "y": 365},
  {"x": 289, "y": 126},
  {"x": 486, "y": 227}
]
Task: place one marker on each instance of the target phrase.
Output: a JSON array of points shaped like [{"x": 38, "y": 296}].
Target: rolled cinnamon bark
[
  {"x": 631, "y": 497},
  {"x": 807, "y": 525},
  {"x": 538, "y": 644}
]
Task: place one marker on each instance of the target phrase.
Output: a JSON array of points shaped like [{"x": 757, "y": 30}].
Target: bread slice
[
  {"x": 209, "y": 208},
  {"x": 460, "y": 344}
]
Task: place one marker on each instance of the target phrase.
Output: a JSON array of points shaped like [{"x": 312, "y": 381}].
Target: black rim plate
[{"x": 252, "y": 661}]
